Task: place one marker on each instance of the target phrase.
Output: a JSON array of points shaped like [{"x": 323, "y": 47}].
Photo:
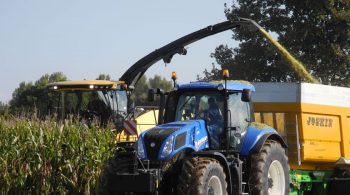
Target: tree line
[{"x": 35, "y": 97}]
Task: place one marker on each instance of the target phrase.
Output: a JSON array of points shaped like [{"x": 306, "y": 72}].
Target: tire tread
[
  {"x": 257, "y": 180},
  {"x": 192, "y": 177}
]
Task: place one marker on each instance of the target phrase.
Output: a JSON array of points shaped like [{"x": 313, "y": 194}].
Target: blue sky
[{"x": 83, "y": 38}]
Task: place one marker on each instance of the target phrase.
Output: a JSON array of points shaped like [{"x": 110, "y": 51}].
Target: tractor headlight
[
  {"x": 141, "y": 149},
  {"x": 168, "y": 147}
]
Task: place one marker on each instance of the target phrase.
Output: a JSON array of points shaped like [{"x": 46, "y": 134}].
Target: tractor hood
[{"x": 164, "y": 141}]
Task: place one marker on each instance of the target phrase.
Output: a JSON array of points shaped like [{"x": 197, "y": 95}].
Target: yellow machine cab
[{"x": 102, "y": 100}]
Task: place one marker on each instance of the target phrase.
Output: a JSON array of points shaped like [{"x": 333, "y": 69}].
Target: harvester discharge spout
[{"x": 297, "y": 66}]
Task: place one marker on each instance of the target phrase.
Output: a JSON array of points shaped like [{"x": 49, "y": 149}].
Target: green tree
[
  {"x": 159, "y": 82},
  {"x": 29, "y": 97},
  {"x": 316, "y": 32},
  {"x": 3, "y": 108},
  {"x": 22, "y": 100},
  {"x": 56, "y": 77},
  {"x": 139, "y": 95},
  {"x": 103, "y": 77}
]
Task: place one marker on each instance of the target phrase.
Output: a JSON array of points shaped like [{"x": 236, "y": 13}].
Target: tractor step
[{"x": 244, "y": 184}]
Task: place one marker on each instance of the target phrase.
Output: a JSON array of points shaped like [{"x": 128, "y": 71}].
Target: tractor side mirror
[
  {"x": 131, "y": 88},
  {"x": 151, "y": 94},
  {"x": 160, "y": 91},
  {"x": 246, "y": 95}
]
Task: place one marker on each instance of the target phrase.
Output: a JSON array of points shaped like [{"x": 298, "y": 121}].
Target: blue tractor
[
  {"x": 206, "y": 140},
  {"x": 207, "y": 144}
]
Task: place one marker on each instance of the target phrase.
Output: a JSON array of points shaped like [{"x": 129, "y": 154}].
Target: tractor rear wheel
[
  {"x": 202, "y": 176},
  {"x": 269, "y": 172}
]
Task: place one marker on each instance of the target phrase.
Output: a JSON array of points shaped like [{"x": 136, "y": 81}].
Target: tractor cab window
[
  {"x": 206, "y": 106},
  {"x": 200, "y": 106},
  {"x": 239, "y": 115}
]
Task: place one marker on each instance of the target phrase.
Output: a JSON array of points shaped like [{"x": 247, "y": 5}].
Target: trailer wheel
[
  {"x": 202, "y": 176},
  {"x": 113, "y": 166},
  {"x": 339, "y": 182},
  {"x": 269, "y": 173}
]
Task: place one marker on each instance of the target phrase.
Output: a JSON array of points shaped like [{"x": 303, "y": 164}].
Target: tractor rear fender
[
  {"x": 222, "y": 159},
  {"x": 268, "y": 136},
  {"x": 256, "y": 136}
]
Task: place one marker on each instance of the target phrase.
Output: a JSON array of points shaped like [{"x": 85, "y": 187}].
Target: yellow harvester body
[{"x": 146, "y": 120}]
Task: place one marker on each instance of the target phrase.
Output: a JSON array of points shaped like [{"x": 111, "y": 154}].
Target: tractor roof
[
  {"x": 88, "y": 85},
  {"x": 232, "y": 85}
]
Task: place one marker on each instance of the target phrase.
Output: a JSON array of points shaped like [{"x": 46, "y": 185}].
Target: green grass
[{"x": 45, "y": 157}]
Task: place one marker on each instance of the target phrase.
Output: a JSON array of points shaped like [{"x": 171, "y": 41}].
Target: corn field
[{"x": 45, "y": 157}]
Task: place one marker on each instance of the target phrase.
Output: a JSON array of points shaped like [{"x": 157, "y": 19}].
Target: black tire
[
  {"x": 113, "y": 166},
  {"x": 339, "y": 182},
  {"x": 202, "y": 176},
  {"x": 270, "y": 163}
]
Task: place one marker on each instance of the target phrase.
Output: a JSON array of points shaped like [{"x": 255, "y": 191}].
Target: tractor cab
[
  {"x": 225, "y": 109},
  {"x": 101, "y": 101},
  {"x": 221, "y": 111}
]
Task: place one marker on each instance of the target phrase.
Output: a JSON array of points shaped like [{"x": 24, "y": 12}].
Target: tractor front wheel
[
  {"x": 113, "y": 166},
  {"x": 202, "y": 176}
]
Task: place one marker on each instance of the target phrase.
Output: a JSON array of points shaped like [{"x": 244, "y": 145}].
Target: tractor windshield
[
  {"x": 206, "y": 106},
  {"x": 199, "y": 106}
]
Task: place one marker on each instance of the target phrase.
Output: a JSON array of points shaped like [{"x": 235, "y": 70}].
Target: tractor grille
[
  {"x": 180, "y": 140},
  {"x": 155, "y": 137}
]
